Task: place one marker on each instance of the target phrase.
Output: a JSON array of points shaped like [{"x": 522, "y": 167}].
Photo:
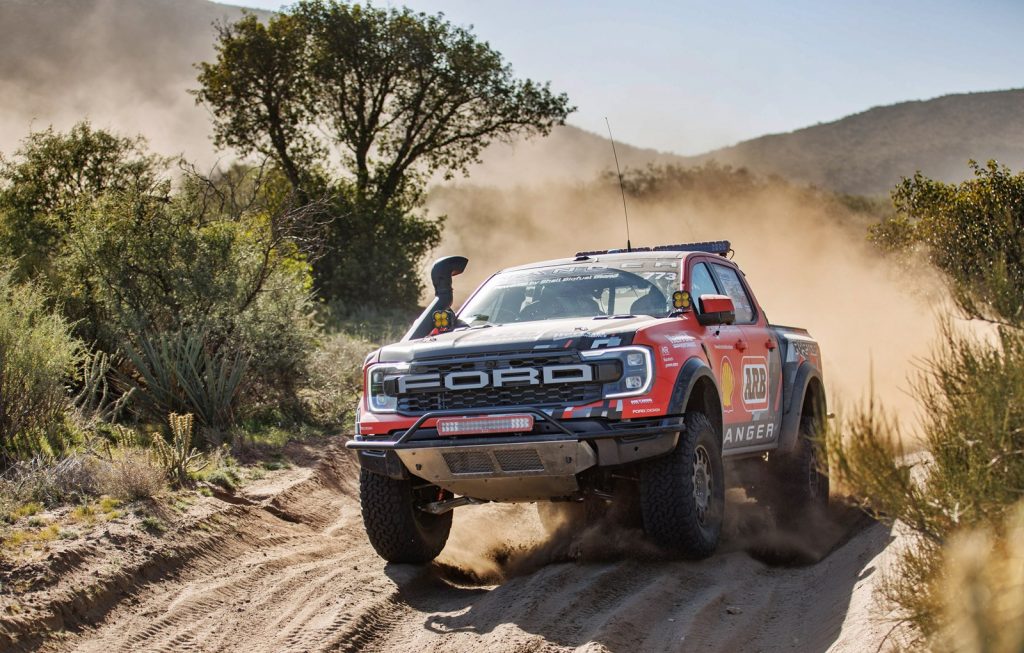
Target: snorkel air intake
[{"x": 441, "y": 277}]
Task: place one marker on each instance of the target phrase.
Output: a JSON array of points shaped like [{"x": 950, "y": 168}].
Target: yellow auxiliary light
[
  {"x": 681, "y": 299},
  {"x": 443, "y": 320}
]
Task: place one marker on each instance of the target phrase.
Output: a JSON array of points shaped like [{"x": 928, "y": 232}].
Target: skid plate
[{"x": 503, "y": 472}]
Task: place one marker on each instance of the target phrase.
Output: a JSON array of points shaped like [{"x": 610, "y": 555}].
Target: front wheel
[
  {"x": 398, "y": 530},
  {"x": 682, "y": 495}
]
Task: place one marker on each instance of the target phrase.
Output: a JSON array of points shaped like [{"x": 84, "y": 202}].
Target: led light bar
[
  {"x": 720, "y": 247},
  {"x": 486, "y": 424}
]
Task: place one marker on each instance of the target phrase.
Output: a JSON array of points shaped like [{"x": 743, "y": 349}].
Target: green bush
[
  {"x": 38, "y": 355},
  {"x": 972, "y": 231},
  {"x": 206, "y": 292},
  {"x": 374, "y": 255},
  {"x": 51, "y": 174}
]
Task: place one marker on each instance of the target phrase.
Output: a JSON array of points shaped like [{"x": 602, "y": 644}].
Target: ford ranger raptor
[{"x": 610, "y": 379}]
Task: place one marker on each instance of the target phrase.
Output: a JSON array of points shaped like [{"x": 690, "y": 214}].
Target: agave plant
[{"x": 177, "y": 373}]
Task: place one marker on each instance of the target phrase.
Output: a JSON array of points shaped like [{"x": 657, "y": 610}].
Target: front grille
[
  {"x": 564, "y": 394},
  {"x": 519, "y": 460},
  {"x": 555, "y": 394},
  {"x": 468, "y": 462}
]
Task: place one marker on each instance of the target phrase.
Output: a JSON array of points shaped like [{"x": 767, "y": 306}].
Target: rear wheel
[
  {"x": 682, "y": 495},
  {"x": 398, "y": 530},
  {"x": 800, "y": 479}
]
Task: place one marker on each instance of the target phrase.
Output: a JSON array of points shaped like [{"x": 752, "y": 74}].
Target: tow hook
[{"x": 441, "y": 507}]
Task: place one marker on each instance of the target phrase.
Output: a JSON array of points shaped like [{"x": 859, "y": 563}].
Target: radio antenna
[{"x": 622, "y": 189}]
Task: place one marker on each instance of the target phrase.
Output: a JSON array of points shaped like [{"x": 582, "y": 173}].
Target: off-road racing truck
[{"x": 613, "y": 379}]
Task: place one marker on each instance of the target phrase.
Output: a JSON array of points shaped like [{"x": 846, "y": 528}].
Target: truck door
[
  {"x": 758, "y": 369},
  {"x": 719, "y": 342}
]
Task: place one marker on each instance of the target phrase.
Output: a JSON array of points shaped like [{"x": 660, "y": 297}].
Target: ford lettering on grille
[{"x": 499, "y": 378}]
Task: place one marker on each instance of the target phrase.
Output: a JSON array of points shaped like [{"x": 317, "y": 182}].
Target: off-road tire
[
  {"x": 398, "y": 530},
  {"x": 671, "y": 496},
  {"x": 800, "y": 485}
]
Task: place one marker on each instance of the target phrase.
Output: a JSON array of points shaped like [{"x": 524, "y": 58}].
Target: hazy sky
[{"x": 692, "y": 75}]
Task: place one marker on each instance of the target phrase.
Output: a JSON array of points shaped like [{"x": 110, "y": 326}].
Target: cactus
[
  {"x": 178, "y": 457},
  {"x": 94, "y": 402}
]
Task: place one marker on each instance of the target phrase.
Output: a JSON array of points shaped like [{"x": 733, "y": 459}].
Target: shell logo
[{"x": 728, "y": 384}]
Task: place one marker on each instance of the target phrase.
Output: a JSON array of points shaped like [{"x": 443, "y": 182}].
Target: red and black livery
[{"x": 609, "y": 379}]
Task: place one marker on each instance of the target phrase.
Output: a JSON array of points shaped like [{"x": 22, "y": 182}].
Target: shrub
[
  {"x": 197, "y": 280},
  {"x": 37, "y": 355},
  {"x": 51, "y": 482},
  {"x": 375, "y": 255},
  {"x": 336, "y": 378},
  {"x": 51, "y": 174},
  {"x": 972, "y": 396},
  {"x": 972, "y": 231},
  {"x": 983, "y": 590},
  {"x": 133, "y": 474}
]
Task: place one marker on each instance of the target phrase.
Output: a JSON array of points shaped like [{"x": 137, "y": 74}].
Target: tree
[
  {"x": 392, "y": 96},
  {"x": 51, "y": 174},
  {"x": 262, "y": 95},
  {"x": 972, "y": 231},
  {"x": 402, "y": 94}
]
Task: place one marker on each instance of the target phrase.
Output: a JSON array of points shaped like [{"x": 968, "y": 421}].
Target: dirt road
[{"x": 291, "y": 570}]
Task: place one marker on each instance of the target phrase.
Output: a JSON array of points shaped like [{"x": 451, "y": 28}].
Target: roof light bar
[{"x": 720, "y": 247}]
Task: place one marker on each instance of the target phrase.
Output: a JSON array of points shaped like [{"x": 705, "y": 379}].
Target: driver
[{"x": 562, "y": 299}]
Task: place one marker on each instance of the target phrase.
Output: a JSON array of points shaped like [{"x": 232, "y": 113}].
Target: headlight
[
  {"x": 637, "y": 370},
  {"x": 376, "y": 398}
]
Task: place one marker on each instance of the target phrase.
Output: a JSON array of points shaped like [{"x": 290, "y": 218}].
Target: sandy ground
[{"x": 288, "y": 568}]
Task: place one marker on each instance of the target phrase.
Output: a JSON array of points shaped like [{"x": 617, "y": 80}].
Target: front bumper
[{"x": 543, "y": 464}]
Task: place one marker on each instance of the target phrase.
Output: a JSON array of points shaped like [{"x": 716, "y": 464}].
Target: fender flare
[
  {"x": 805, "y": 375},
  {"x": 693, "y": 371}
]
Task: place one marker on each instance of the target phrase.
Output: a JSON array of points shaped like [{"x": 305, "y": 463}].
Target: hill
[
  {"x": 866, "y": 153},
  {"x": 128, "y": 64}
]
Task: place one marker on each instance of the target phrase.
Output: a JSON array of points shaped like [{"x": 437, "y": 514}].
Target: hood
[{"x": 574, "y": 333}]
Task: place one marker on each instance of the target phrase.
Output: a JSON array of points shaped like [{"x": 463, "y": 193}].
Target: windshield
[{"x": 639, "y": 287}]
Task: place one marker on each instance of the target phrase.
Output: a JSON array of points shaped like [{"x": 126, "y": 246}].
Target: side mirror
[
  {"x": 716, "y": 309},
  {"x": 441, "y": 277}
]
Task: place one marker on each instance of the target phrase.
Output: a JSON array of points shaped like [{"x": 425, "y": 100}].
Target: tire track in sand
[{"x": 302, "y": 577}]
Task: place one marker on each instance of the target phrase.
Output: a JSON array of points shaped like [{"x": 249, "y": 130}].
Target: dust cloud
[
  {"x": 124, "y": 64},
  {"x": 492, "y": 544},
  {"x": 805, "y": 256}
]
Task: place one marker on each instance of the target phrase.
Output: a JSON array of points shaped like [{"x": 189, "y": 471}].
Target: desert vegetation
[
  {"x": 958, "y": 580},
  {"x": 158, "y": 322}
]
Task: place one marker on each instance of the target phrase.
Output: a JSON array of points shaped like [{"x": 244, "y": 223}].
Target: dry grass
[
  {"x": 983, "y": 590},
  {"x": 336, "y": 378},
  {"x": 132, "y": 475},
  {"x": 963, "y": 491},
  {"x": 50, "y": 482}
]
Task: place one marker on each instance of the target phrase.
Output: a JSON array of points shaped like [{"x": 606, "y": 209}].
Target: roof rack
[{"x": 720, "y": 247}]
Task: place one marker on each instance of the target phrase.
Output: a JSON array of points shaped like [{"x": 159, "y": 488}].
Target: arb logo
[{"x": 755, "y": 383}]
